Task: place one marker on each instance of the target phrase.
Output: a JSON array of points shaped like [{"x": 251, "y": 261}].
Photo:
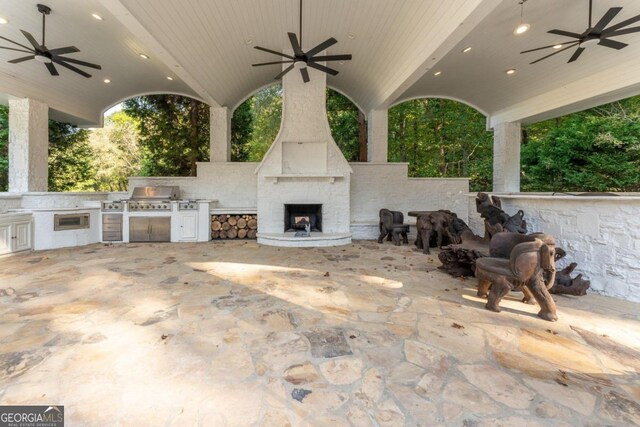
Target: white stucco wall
[
  {"x": 601, "y": 234},
  {"x": 62, "y": 200}
]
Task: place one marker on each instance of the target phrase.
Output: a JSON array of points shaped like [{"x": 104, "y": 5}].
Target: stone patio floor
[{"x": 235, "y": 334}]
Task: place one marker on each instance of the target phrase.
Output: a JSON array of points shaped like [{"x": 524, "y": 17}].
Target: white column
[
  {"x": 506, "y": 157},
  {"x": 28, "y": 145},
  {"x": 378, "y": 136},
  {"x": 220, "y": 134}
]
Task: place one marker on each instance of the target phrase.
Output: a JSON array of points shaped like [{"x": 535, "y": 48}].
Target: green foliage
[
  {"x": 116, "y": 152},
  {"x": 173, "y": 133},
  {"x": 343, "y": 121},
  {"x": 4, "y": 148},
  {"x": 70, "y": 158},
  {"x": 241, "y": 132},
  {"x": 595, "y": 150},
  {"x": 441, "y": 138},
  {"x": 266, "y": 107}
]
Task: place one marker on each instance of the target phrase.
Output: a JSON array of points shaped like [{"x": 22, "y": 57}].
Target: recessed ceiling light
[
  {"x": 558, "y": 46},
  {"x": 96, "y": 16},
  {"x": 248, "y": 41},
  {"x": 437, "y": 73},
  {"x": 351, "y": 35},
  {"x": 466, "y": 49},
  {"x": 107, "y": 81},
  {"x": 169, "y": 78},
  {"x": 4, "y": 21},
  {"x": 143, "y": 56},
  {"x": 511, "y": 71},
  {"x": 522, "y": 28},
  {"x": 341, "y": 62}
]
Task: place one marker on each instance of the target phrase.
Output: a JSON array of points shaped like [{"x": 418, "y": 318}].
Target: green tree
[
  {"x": 4, "y": 148},
  {"x": 343, "y": 121},
  {"x": 241, "y": 132},
  {"x": 267, "y": 113},
  {"x": 173, "y": 132},
  {"x": 116, "y": 152},
  {"x": 595, "y": 150},
  {"x": 70, "y": 158}
]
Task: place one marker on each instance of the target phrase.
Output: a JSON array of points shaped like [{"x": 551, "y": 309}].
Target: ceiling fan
[
  {"x": 305, "y": 59},
  {"x": 41, "y": 53},
  {"x": 598, "y": 34}
]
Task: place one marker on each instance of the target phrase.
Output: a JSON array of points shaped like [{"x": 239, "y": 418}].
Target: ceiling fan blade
[
  {"x": 64, "y": 50},
  {"x": 271, "y": 63},
  {"x": 16, "y": 43},
  {"x": 322, "y": 46},
  {"x": 71, "y": 67},
  {"x": 565, "y": 33},
  {"x": 554, "y": 53},
  {"x": 52, "y": 69},
  {"x": 613, "y": 44},
  {"x": 17, "y": 50},
  {"x": 606, "y": 19},
  {"x": 289, "y": 68},
  {"x": 77, "y": 61},
  {"x": 305, "y": 74},
  {"x": 621, "y": 32},
  {"x": 33, "y": 41},
  {"x": 546, "y": 47},
  {"x": 295, "y": 45},
  {"x": 622, "y": 24},
  {"x": 322, "y": 68},
  {"x": 264, "y": 49},
  {"x": 576, "y": 54},
  {"x": 331, "y": 58},
  {"x": 24, "y": 58}
]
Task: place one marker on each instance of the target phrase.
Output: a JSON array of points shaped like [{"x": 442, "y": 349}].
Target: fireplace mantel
[{"x": 292, "y": 177}]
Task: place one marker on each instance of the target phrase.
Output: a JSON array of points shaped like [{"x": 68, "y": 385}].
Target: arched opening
[
  {"x": 256, "y": 122},
  {"x": 442, "y": 138}
]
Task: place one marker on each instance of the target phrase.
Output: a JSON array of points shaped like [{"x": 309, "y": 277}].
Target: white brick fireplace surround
[{"x": 304, "y": 166}]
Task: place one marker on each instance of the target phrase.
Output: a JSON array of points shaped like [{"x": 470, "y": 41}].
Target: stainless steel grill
[{"x": 156, "y": 198}]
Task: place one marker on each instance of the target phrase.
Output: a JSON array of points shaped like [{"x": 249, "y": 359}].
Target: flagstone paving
[{"x": 234, "y": 334}]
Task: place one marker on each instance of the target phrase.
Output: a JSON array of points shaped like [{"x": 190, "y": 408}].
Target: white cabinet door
[
  {"x": 22, "y": 234},
  {"x": 188, "y": 222},
  {"x": 5, "y": 238}
]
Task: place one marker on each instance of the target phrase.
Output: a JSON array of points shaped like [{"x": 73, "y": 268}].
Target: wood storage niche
[{"x": 234, "y": 226}]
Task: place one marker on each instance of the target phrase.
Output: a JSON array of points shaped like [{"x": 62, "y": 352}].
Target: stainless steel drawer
[
  {"x": 112, "y": 227},
  {"x": 112, "y": 236},
  {"x": 112, "y": 218}
]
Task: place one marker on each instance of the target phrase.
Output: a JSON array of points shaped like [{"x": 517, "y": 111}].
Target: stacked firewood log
[{"x": 229, "y": 226}]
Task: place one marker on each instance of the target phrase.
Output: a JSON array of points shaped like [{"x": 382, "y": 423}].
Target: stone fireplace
[{"x": 304, "y": 167}]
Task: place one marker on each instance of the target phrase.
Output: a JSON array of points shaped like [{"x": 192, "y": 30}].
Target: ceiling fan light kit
[
  {"x": 598, "y": 34},
  {"x": 48, "y": 57},
  {"x": 301, "y": 59}
]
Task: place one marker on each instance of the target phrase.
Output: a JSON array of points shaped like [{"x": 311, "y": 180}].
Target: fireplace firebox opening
[{"x": 297, "y": 216}]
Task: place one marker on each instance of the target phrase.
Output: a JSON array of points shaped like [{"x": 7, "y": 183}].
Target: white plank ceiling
[{"x": 207, "y": 46}]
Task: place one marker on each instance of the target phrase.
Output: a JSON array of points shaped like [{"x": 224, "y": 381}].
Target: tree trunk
[{"x": 362, "y": 137}]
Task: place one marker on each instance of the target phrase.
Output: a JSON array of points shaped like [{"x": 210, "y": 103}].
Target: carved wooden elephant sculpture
[
  {"x": 433, "y": 226},
  {"x": 392, "y": 227},
  {"x": 529, "y": 267}
]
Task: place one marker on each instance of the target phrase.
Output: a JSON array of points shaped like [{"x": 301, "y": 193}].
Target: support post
[
  {"x": 28, "y": 145},
  {"x": 220, "y": 134},
  {"x": 506, "y": 157},
  {"x": 378, "y": 133}
]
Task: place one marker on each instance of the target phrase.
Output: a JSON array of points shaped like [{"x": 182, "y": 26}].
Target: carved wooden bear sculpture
[
  {"x": 392, "y": 227},
  {"x": 530, "y": 267}
]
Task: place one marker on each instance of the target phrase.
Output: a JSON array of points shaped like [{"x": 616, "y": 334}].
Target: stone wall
[{"x": 601, "y": 234}]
